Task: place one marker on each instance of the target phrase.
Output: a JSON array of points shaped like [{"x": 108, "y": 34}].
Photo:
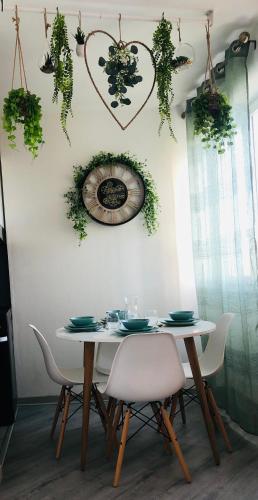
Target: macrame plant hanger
[
  {"x": 209, "y": 72},
  {"x": 45, "y": 62},
  {"x": 18, "y": 48}
]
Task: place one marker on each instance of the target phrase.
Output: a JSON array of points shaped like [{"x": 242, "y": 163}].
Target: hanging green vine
[
  {"x": 60, "y": 54},
  {"x": 213, "y": 120},
  {"x": 22, "y": 107},
  {"x": 77, "y": 212},
  {"x": 163, "y": 51}
]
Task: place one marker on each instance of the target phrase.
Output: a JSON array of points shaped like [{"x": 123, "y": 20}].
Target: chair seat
[{"x": 75, "y": 376}]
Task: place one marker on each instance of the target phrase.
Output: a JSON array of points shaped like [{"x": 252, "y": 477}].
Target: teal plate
[
  {"x": 179, "y": 323},
  {"x": 123, "y": 331},
  {"x": 82, "y": 329}
]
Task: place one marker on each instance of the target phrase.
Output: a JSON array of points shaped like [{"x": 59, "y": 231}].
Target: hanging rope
[
  {"x": 18, "y": 48},
  {"x": 80, "y": 19},
  {"x": 46, "y": 24},
  {"x": 209, "y": 66},
  {"x": 119, "y": 25},
  {"x": 179, "y": 29}
]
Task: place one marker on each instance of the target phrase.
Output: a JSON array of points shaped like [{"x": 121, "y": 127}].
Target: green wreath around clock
[{"x": 112, "y": 190}]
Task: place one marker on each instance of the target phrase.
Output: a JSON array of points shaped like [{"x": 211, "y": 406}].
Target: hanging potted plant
[
  {"x": 163, "y": 51},
  {"x": 213, "y": 120},
  {"x": 80, "y": 39},
  {"x": 22, "y": 107},
  {"x": 61, "y": 56},
  {"x": 46, "y": 64}
]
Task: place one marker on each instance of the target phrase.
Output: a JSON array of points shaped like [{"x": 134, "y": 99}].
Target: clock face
[{"x": 113, "y": 194}]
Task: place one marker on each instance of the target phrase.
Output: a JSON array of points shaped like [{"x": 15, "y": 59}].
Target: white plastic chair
[
  {"x": 146, "y": 368},
  {"x": 211, "y": 361},
  {"x": 105, "y": 355},
  {"x": 67, "y": 378}
]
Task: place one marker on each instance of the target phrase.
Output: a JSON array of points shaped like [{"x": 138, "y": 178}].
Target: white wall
[{"x": 52, "y": 277}]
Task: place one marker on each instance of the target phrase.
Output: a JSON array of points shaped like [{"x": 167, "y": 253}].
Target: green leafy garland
[
  {"x": 23, "y": 107},
  {"x": 61, "y": 57},
  {"x": 163, "y": 51},
  {"x": 213, "y": 120},
  {"x": 77, "y": 212}
]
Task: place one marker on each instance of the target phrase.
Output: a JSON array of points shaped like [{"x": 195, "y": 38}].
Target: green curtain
[{"x": 223, "y": 214}]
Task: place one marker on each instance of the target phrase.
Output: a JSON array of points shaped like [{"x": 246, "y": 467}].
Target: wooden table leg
[
  {"x": 194, "y": 363},
  {"x": 88, "y": 361}
]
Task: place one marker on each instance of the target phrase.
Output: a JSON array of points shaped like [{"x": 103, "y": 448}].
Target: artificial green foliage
[
  {"x": 163, "y": 51},
  {"x": 61, "y": 57},
  {"x": 121, "y": 68},
  {"x": 213, "y": 120},
  {"x": 79, "y": 36},
  {"x": 22, "y": 107},
  {"x": 77, "y": 212}
]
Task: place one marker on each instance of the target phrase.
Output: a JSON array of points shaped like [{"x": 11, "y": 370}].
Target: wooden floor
[{"x": 31, "y": 471}]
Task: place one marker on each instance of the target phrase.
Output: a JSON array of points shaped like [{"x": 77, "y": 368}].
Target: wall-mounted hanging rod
[{"x": 88, "y": 14}]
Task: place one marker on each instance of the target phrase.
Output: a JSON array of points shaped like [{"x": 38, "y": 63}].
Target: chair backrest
[
  {"x": 105, "y": 355},
  {"x": 146, "y": 368},
  {"x": 51, "y": 366},
  {"x": 211, "y": 360}
]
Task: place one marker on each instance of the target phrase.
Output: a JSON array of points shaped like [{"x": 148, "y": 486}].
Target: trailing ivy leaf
[
  {"x": 61, "y": 56},
  {"x": 23, "y": 107},
  {"x": 163, "y": 51},
  {"x": 213, "y": 121}
]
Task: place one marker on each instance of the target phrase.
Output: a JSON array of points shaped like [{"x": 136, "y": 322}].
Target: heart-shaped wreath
[{"x": 121, "y": 69}]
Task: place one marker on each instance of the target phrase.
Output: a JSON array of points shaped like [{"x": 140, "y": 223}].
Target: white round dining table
[{"x": 187, "y": 333}]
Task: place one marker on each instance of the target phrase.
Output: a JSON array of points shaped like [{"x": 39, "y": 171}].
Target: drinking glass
[
  {"x": 131, "y": 305},
  {"x": 152, "y": 315},
  {"x": 113, "y": 322}
]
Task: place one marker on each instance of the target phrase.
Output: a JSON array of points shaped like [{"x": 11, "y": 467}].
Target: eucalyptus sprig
[
  {"x": 163, "y": 51},
  {"x": 22, "y": 107},
  {"x": 77, "y": 212},
  {"x": 213, "y": 120},
  {"x": 121, "y": 68},
  {"x": 61, "y": 56}
]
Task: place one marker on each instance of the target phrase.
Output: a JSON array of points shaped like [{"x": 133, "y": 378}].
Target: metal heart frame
[{"x": 135, "y": 42}]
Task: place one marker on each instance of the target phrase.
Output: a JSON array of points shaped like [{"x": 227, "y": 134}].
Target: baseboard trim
[{"x": 37, "y": 400}]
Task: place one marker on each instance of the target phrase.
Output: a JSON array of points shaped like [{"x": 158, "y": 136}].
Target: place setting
[
  {"x": 179, "y": 318},
  {"x": 83, "y": 324},
  {"x": 135, "y": 325}
]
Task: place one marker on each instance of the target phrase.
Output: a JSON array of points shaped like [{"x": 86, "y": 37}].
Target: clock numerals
[
  {"x": 135, "y": 191},
  {"x": 132, "y": 204}
]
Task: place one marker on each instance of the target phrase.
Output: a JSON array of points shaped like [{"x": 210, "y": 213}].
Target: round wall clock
[{"x": 113, "y": 194}]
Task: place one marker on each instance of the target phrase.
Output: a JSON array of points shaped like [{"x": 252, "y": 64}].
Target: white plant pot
[{"x": 80, "y": 50}]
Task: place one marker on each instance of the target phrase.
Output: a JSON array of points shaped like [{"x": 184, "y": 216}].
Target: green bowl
[
  {"x": 181, "y": 315},
  {"x": 82, "y": 320},
  {"x": 135, "y": 324}
]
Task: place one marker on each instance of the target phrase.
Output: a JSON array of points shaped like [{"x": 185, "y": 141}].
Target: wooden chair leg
[
  {"x": 63, "y": 424},
  {"x": 122, "y": 448},
  {"x": 112, "y": 437},
  {"x": 101, "y": 411},
  {"x": 57, "y": 412},
  {"x": 176, "y": 446},
  {"x": 161, "y": 426},
  {"x": 173, "y": 407},
  {"x": 182, "y": 406},
  {"x": 218, "y": 418}
]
